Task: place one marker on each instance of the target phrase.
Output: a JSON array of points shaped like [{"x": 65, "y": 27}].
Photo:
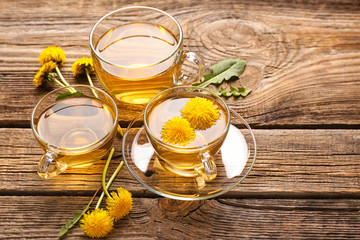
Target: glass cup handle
[
  {"x": 187, "y": 79},
  {"x": 207, "y": 170},
  {"x": 48, "y": 166}
]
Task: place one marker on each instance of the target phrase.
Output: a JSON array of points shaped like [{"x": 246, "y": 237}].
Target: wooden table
[{"x": 303, "y": 64}]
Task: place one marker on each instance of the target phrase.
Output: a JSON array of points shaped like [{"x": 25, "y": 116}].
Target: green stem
[
  {"x": 66, "y": 228},
  {"x": 58, "y": 82},
  {"x": 109, "y": 183},
  {"x": 61, "y": 76},
  {"x": 88, "y": 77},
  {"x": 72, "y": 90},
  {"x": 119, "y": 129},
  {"x": 204, "y": 84},
  {"x": 90, "y": 82},
  {"x": 105, "y": 171}
]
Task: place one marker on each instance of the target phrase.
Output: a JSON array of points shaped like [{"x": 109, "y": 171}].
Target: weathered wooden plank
[
  {"x": 304, "y": 72},
  {"x": 289, "y": 163},
  {"x": 41, "y": 218}
]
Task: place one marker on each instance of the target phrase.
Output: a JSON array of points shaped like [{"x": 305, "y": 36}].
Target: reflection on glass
[
  {"x": 141, "y": 153},
  {"x": 234, "y": 152}
]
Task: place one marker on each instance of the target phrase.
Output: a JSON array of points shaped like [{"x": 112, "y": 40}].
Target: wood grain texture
[
  {"x": 303, "y": 57},
  {"x": 289, "y": 163},
  {"x": 170, "y": 219},
  {"x": 303, "y": 61}
]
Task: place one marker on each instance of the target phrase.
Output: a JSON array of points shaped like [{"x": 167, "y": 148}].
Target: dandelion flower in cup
[
  {"x": 177, "y": 131},
  {"x": 82, "y": 65},
  {"x": 201, "y": 113},
  {"x": 121, "y": 203},
  {"x": 45, "y": 74},
  {"x": 97, "y": 224},
  {"x": 53, "y": 53}
]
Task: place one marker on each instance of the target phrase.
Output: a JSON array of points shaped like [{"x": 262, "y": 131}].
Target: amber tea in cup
[
  {"x": 74, "y": 129},
  {"x": 137, "y": 53},
  {"x": 136, "y": 45},
  {"x": 187, "y": 126}
]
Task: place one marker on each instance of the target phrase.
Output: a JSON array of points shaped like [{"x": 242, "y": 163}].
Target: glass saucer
[{"x": 234, "y": 161}]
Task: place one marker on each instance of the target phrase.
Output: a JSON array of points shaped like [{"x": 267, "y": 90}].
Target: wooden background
[{"x": 304, "y": 68}]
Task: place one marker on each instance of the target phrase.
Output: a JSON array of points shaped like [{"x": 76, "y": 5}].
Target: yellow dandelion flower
[
  {"x": 201, "y": 113},
  {"x": 81, "y": 65},
  {"x": 53, "y": 53},
  {"x": 120, "y": 205},
  {"x": 43, "y": 74},
  {"x": 177, "y": 131},
  {"x": 97, "y": 224}
]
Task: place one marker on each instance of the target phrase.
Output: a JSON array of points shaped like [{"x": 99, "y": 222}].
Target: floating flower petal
[
  {"x": 201, "y": 113},
  {"x": 79, "y": 66},
  {"x": 43, "y": 74},
  {"x": 53, "y": 53},
  {"x": 97, "y": 224},
  {"x": 120, "y": 205},
  {"x": 177, "y": 131}
]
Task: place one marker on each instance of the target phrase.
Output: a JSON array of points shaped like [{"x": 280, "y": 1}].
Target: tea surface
[
  {"x": 136, "y": 45},
  {"x": 136, "y": 51},
  {"x": 75, "y": 122}
]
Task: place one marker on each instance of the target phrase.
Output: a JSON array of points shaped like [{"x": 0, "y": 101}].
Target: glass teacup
[
  {"x": 75, "y": 126},
  {"x": 186, "y": 127},
  {"x": 138, "y": 52}
]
